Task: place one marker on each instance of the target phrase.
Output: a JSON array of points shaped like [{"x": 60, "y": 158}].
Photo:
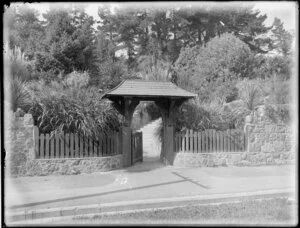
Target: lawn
[{"x": 267, "y": 211}]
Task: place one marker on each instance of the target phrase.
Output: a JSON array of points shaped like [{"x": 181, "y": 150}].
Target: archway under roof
[{"x": 166, "y": 95}]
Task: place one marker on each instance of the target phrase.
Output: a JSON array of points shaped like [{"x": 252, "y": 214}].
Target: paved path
[{"x": 144, "y": 181}]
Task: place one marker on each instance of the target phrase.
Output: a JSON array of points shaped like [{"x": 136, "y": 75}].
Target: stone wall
[
  {"x": 69, "y": 166},
  {"x": 266, "y": 136},
  {"x": 233, "y": 159},
  {"x": 20, "y": 155},
  {"x": 19, "y": 141},
  {"x": 268, "y": 143}
]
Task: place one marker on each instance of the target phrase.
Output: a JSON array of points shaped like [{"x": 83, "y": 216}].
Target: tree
[
  {"x": 107, "y": 70},
  {"x": 68, "y": 40},
  {"x": 25, "y": 29},
  {"x": 212, "y": 70},
  {"x": 282, "y": 39}
]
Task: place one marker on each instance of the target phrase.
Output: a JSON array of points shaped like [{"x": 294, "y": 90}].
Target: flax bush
[{"x": 60, "y": 108}]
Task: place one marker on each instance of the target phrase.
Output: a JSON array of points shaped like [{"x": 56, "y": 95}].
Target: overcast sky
[{"x": 286, "y": 11}]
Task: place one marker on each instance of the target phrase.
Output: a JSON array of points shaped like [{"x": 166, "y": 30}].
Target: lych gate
[{"x": 166, "y": 95}]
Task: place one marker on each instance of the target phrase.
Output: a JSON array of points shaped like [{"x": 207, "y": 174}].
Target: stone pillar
[{"x": 19, "y": 144}]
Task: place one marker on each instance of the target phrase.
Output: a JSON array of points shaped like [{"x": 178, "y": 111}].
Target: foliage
[
  {"x": 17, "y": 94},
  {"x": 77, "y": 79},
  {"x": 58, "y": 110},
  {"x": 251, "y": 93},
  {"x": 279, "y": 92},
  {"x": 25, "y": 29},
  {"x": 282, "y": 40},
  {"x": 279, "y": 113},
  {"x": 230, "y": 58},
  {"x": 265, "y": 67},
  {"x": 19, "y": 66},
  {"x": 191, "y": 116}
]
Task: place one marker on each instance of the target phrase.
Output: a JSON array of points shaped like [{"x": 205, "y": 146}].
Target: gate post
[
  {"x": 126, "y": 146},
  {"x": 170, "y": 145}
]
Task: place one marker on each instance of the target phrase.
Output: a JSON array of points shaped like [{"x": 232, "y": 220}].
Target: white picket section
[
  {"x": 72, "y": 145},
  {"x": 209, "y": 141}
]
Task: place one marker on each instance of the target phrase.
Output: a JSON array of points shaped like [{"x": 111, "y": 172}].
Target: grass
[{"x": 255, "y": 212}]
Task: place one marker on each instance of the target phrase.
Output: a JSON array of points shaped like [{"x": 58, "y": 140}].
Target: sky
[{"x": 284, "y": 10}]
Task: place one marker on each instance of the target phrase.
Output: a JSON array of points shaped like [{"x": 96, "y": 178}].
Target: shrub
[
  {"x": 251, "y": 92},
  {"x": 191, "y": 116},
  {"x": 18, "y": 94},
  {"x": 72, "y": 110},
  {"x": 279, "y": 113},
  {"x": 77, "y": 79}
]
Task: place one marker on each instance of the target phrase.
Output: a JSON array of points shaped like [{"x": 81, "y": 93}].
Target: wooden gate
[{"x": 136, "y": 147}]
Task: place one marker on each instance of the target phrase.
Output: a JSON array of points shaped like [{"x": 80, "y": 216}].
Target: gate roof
[{"x": 141, "y": 88}]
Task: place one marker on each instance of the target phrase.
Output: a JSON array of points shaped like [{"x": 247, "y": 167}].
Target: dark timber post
[
  {"x": 129, "y": 106},
  {"x": 126, "y": 136},
  {"x": 167, "y": 108}
]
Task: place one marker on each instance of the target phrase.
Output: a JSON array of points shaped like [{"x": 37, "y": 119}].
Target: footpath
[{"x": 145, "y": 185}]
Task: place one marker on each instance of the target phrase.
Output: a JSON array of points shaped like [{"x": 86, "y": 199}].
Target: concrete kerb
[{"x": 30, "y": 215}]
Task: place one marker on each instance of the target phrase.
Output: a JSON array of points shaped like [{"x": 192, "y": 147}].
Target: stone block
[
  {"x": 270, "y": 160},
  {"x": 268, "y": 147},
  {"x": 281, "y": 129},
  {"x": 28, "y": 119},
  {"x": 272, "y": 137},
  {"x": 271, "y": 128},
  {"x": 210, "y": 162},
  {"x": 244, "y": 163}
]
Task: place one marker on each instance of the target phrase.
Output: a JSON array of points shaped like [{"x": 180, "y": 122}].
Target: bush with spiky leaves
[
  {"x": 191, "y": 116},
  {"x": 58, "y": 109},
  {"x": 18, "y": 94}
]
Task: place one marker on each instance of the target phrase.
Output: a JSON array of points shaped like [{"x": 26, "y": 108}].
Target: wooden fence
[
  {"x": 210, "y": 141},
  {"x": 137, "y": 147},
  {"x": 75, "y": 146}
]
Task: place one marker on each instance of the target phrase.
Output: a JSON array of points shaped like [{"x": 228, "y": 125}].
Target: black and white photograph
[{"x": 150, "y": 113}]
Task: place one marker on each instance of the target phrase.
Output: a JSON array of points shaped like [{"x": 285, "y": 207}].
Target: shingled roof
[{"x": 148, "y": 89}]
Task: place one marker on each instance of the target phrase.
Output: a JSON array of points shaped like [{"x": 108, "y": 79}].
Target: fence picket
[
  {"x": 42, "y": 143},
  {"x": 203, "y": 141},
  {"x": 108, "y": 143},
  {"x": 57, "y": 154},
  {"x": 228, "y": 141},
  {"x": 210, "y": 140},
  {"x": 100, "y": 146},
  {"x": 221, "y": 141},
  {"x": 72, "y": 150},
  {"x": 91, "y": 147},
  {"x": 190, "y": 141},
  {"x": 52, "y": 149},
  {"x": 231, "y": 141},
  {"x": 181, "y": 137},
  {"x": 36, "y": 141},
  {"x": 115, "y": 142},
  {"x": 81, "y": 146},
  {"x": 199, "y": 142},
  {"x": 111, "y": 152},
  {"x": 225, "y": 141},
  {"x": 235, "y": 141},
  {"x": 214, "y": 141},
  {"x": 184, "y": 142},
  {"x": 65, "y": 142},
  {"x": 76, "y": 141},
  {"x": 62, "y": 147},
  {"x": 217, "y": 141},
  {"x": 195, "y": 142},
  {"x": 104, "y": 143}
]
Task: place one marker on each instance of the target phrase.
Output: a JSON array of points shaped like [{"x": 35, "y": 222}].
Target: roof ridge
[
  {"x": 114, "y": 87},
  {"x": 139, "y": 87},
  {"x": 141, "y": 80}
]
